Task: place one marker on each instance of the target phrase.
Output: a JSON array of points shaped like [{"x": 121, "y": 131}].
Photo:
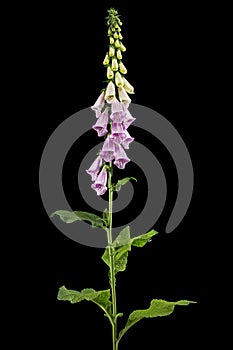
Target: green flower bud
[
  {"x": 128, "y": 87},
  {"x": 122, "y": 68},
  {"x": 119, "y": 55},
  {"x": 109, "y": 32},
  {"x": 113, "y": 29},
  {"x": 118, "y": 28},
  {"x": 122, "y": 47},
  {"x": 110, "y": 73},
  {"x": 119, "y": 80},
  {"x": 111, "y": 51},
  {"x": 106, "y": 60},
  {"x": 115, "y": 35},
  {"x": 114, "y": 64},
  {"x": 117, "y": 43},
  {"x": 111, "y": 39},
  {"x": 120, "y": 23},
  {"x": 120, "y": 36}
]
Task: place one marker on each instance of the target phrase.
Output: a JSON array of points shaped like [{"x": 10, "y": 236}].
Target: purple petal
[
  {"x": 100, "y": 183},
  {"x": 118, "y": 117},
  {"x": 117, "y": 112},
  {"x": 95, "y": 168},
  {"x": 108, "y": 150},
  {"x": 121, "y": 158},
  {"x": 101, "y": 124},
  {"x": 127, "y": 140},
  {"x": 116, "y": 106},
  {"x": 99, "y": 104},
  {"x": 128, "y": 120},
  {"x": 118, "y": 132},
  {"x": 100, "y": 189}
]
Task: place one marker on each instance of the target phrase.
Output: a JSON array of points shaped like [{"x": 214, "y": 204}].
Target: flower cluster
[{"x": 111, "y": 109}]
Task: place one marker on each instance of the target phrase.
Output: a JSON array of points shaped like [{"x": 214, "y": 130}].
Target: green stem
[{"x": 112, "y": 263}]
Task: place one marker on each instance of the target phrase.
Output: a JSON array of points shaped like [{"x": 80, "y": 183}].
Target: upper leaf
[
  {"x": 157, "y": 308},
  {"x": 122, "y": 245},
  {"x": 71, "y": 216},
  {"x": 141, "y": 240},
  {"x": 101, "y": 298},
  {"x": 122, "y": 182}
]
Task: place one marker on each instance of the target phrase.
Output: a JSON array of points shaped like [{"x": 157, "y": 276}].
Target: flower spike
[{"x": 116, "y": 95}]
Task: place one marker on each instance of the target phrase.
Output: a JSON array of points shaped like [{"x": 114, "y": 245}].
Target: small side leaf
[
  {"x": 106, "y": 217},
  {"x": 158, "y": 308},
  {"x": 141, "y": 240},
  {"x": 101, "y": 298},
  {"x": 72, "y": 216},
  {"x": 122, "y": 182}
]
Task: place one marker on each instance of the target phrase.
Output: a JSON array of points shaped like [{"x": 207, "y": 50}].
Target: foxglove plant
[{"x": 113, "y": 121}]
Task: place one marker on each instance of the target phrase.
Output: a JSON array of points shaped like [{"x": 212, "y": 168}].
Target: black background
[{"x": 168, "y": 61}]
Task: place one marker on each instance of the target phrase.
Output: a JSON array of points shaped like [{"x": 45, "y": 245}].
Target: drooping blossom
[
  {"x": 116, "y": 106},
  {"x": 100, "y": 183},
  {"x": 110, "y": 92},
  {"x": 117, "y": 112},
  {"x": 121, "y": 158},
  {"x": 95, "y": 168},
  {"x": 99, "y": 104},
  {"x": 108, "y": 150},
  {"x": 118, "y": 132},
  {"x": 123, "y": 96},
  {"x": 102, "y": 123},
  {"x": 127, "y": 140},
  {"x": 128, "y": 119}
]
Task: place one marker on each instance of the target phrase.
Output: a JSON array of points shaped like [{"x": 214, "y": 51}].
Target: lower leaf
[
  {"x": 72, "y": 216},
  {"x": 157, "y": 308},
  {"x": 101, "y": 298}
]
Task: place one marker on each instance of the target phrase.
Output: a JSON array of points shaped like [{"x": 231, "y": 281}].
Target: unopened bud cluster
[{"x": 116, "y": 69}]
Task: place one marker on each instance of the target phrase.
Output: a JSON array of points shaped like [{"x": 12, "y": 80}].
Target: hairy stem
[{"x": 112, "y": 263}]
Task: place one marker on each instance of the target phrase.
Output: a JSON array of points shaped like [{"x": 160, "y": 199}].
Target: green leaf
[
  {"x": 101, "y": 298},
  {"x": 72, "y": 216},
  {"x": 122, "y": 182},
  {"x": 122, "y": 245},
  {"x": 158, "y": 308},
  {"x": 141, "y": 240},
  {"x": 123, "y": 238}
]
